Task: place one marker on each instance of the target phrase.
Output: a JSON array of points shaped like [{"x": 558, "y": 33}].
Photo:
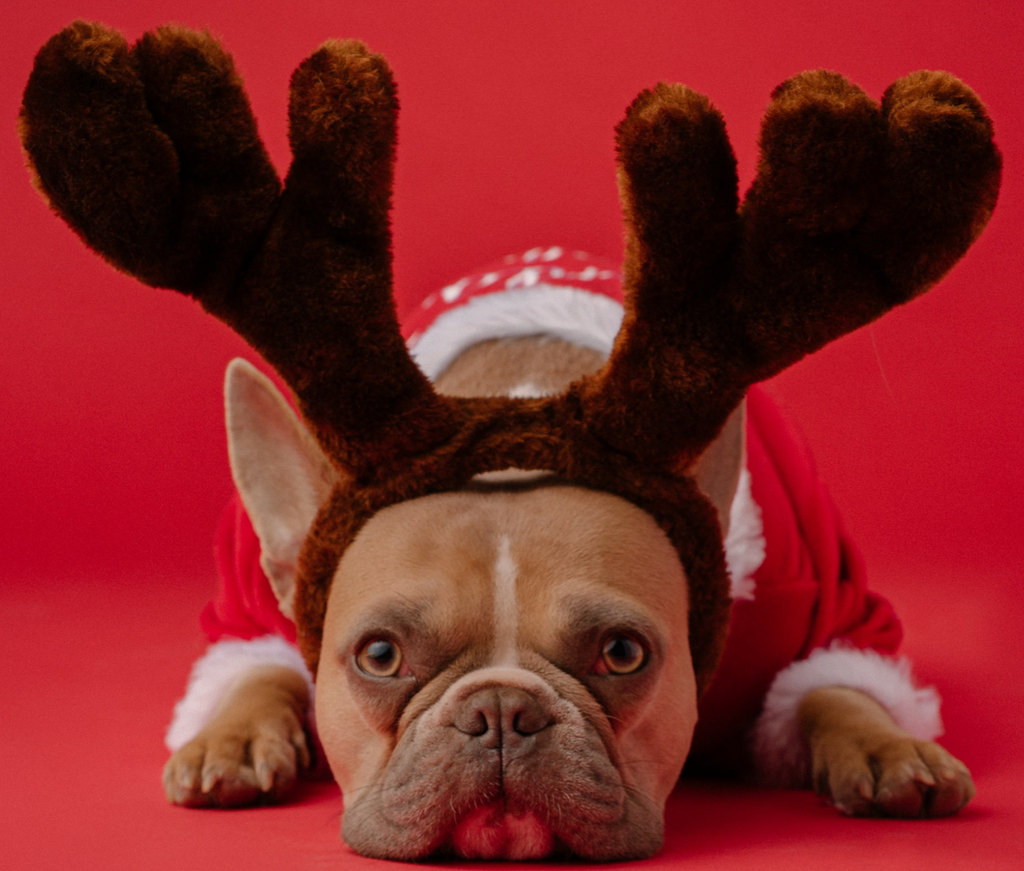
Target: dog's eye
[
  {"x": 621, "y": 654},
  {"x": 380, "y": 658}
]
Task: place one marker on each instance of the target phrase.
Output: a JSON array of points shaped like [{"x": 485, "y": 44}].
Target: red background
[{"x": 112, "y": 460}]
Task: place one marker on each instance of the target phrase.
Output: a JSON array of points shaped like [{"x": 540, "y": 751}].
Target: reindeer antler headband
[{"x": 151, "y": 154}]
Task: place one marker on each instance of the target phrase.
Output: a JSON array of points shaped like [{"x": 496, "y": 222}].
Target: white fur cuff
[
  {"x": 215, "y": 673},
  {"x": 780, "y": 754}
]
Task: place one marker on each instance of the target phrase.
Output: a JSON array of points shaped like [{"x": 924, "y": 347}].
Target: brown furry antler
[
  {"x": 150, "y": 153},
  {"x": 856, "y": 208}
]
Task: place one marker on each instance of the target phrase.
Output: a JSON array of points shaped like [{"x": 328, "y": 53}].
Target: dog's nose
[{"x": 502, "y": 716}]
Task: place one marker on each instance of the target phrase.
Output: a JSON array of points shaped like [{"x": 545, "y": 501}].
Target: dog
[
  {"x": 503, "y": 563},
  {"x": 545, "y": 622}
]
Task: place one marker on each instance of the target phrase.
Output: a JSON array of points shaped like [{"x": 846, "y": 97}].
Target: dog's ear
[
  {"x": 717, "y": 470},
  {"x": 281, "y": 473}
]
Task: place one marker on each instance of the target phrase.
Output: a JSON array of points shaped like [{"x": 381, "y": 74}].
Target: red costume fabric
[{"x": 810, "y": 590}]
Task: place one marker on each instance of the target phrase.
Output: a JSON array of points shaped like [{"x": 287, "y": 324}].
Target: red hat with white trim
[{"x": 545, "y": 291}]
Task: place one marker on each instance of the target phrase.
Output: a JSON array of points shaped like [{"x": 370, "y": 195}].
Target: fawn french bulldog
[{"x": 511, "y": 566}]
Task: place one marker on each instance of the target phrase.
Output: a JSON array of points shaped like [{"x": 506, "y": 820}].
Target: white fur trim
[
  {"x": 578, "y": 316},
  {"x": 217, "y": 670},
  {"x": 744, "y": 543},
  {"x": 780, "y": 753}
]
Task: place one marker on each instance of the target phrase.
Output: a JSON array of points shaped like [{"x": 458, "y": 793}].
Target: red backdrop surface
[{"x": 113, "y": 468}]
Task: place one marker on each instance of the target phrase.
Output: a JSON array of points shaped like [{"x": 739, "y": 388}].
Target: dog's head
[
  {"x": 505, "y": 670},
  {"x": 150, "y": 153}
]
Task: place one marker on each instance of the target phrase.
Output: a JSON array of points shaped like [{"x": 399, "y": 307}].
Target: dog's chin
[
  {"x": 492, "y": 832},
  {"x": 502, "y": 829}
]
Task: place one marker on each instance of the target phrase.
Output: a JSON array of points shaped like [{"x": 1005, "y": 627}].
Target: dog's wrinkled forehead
[{"x": 532, "y": 570}]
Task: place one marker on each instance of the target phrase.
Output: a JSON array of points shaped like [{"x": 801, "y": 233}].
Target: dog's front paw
[
  {"x": 895, "y": 777},
  {"x": 251, "y": 751},
  {"x": 239, "y": 766},
  {"x": 867, "y": 767}
]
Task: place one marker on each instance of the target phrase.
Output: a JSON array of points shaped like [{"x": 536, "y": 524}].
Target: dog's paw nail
[
  {"x": 923, "y": 775},
  {"x": 265, "y": 777},
  {"x": 865, "y": 789}
]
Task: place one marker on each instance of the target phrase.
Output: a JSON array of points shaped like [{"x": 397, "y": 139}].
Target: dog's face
[
  {"x": 506, "y": 673},
  {"x": 505, "y": 670}
]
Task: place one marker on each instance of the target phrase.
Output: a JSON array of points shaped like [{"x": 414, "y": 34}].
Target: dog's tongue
[{"x": 491, "y": 833}]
